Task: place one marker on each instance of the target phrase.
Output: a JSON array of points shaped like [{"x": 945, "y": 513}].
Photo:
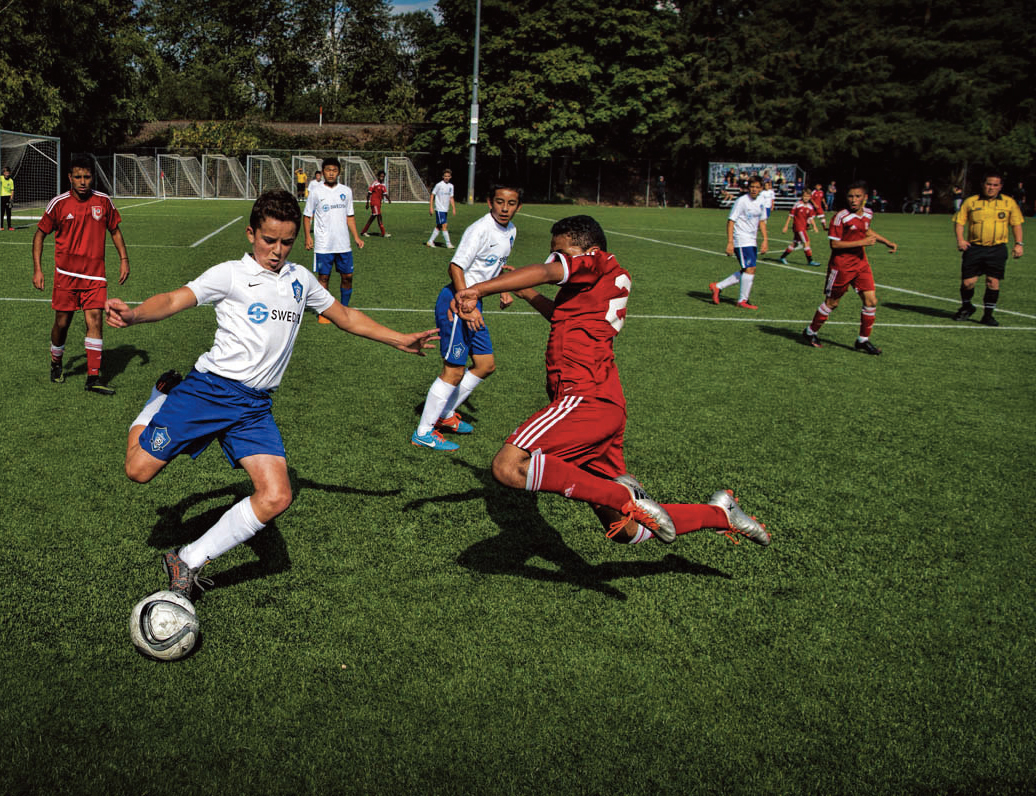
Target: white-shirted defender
[
  {"x": 328, "y": 221},
  {"x": 482, "y": 253},
  {"x": 259, "y": 302},
  {"x": 746, "y": 220}
]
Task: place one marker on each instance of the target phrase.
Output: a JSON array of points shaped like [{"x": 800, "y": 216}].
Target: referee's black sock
[
  {"x": 966, "y": 295},
  {"x": 989, "y": 300}
]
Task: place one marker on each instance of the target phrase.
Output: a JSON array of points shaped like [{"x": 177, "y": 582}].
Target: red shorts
[
  {"x": 70, "y": 299},
  {"x": 801, "y": 236},
  {"x": 839, "y": 280},
  {"x": 584, "y": 431}
]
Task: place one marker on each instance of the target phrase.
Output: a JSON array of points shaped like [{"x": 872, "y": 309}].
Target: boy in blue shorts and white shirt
[
  {"x": 259, "y": 302},
  {"x": 483, "y": 252},
  {"x": 747, "y": 218},
  {"x": 439, "y": 205},
  {"x": 329, "y": 219}
]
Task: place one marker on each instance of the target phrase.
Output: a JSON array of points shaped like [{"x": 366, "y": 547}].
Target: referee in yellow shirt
[
  {"x": 981, "y": 227},
  {"x": 6, "y": 198}
]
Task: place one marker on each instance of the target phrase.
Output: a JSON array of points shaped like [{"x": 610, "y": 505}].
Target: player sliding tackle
[
  {"x": 259, "y": 301},
  {"x": 574, "y": 446}
]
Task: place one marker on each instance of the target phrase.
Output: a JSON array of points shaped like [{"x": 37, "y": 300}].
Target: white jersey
[
  {"x": 484, "y": 249},
  {"x": 258, "y": 313},
  {"x": 746, "y": 215},
  {"x": 443, "y": 193},
  {"x": 767, "y": 197},
  {"x": 329, "y": 206}
]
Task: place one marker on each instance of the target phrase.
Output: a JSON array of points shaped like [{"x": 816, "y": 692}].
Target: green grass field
[{"x": 409, "y": 626}]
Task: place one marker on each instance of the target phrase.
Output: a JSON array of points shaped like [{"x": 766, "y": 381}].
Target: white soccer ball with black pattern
[{"x": 164, "y": 626}]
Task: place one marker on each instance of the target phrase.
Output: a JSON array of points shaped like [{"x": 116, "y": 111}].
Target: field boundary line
[{"x": 214, "y": 234}]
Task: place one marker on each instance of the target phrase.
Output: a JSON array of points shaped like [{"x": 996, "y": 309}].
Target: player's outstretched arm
[
  {"x": 880, "y": 239},
  {"x": 355, "y": 322},
  {"x": 118, "y": 314},
  {"x": 516, "y": 281}
]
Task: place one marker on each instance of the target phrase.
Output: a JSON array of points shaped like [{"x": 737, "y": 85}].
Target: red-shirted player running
[
  {"x": 800, "y": 216},
  {"x": 848, "y": 267},
  {"x": 375, "y": 193},
  {"x": 80, "y": 220},
  {"x": 574, "y": 446}
]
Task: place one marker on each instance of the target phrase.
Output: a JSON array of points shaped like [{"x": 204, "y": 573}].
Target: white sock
[
  {"x": 446, "y": 235},
  {"x": 435, "y": 234},
  {"x": 746, "y": 286},
  {"x": 438, "y": 395},
  {"x": 154, "y": 403},
  {"x": 733, "y": 279},
  {"x": 460, "y": 395},
  {"x": 642, "y": 535},
  {"x": 56, "y": 352},
  {"x": 238, "y": 524}
]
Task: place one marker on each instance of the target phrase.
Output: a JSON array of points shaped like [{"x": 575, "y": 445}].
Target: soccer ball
[{"x": 164, "y": 626}]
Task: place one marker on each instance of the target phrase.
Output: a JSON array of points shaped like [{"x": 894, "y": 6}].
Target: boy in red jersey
[
  {"x": 800, "y": 216},
  {"x": 848, "y": 267},
  {"x": 375, "y": 193},
  {"x": 574, "y": 446},
  {"x": 80, "y": 219}
]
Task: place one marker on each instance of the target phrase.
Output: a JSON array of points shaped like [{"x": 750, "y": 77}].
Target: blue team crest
[
  {"x": 512, "y": 240},
  {"x": 341, "y": 196},
  {"x": 458, "y": 351},
  {"x": 160, "y": 439},
  {"x": 296, "y": 288}
]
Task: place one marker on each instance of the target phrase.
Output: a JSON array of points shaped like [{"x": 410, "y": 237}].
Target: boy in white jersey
[
  {"x": 747, "y": 218},
  {"x": 483, "y": 252},
  {"x": 259, "y": 302},
  {"x": 439, "y": 205},
  {"x": 328, "y": 220}
]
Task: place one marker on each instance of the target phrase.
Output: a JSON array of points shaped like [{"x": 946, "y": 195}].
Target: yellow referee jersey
[
  {"x": 988, "y": 220},
  {"x": 6, "y": 186}
]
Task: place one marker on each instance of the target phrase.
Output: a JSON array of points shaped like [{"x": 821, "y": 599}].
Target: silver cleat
[
  {"x": 646, "y": 511},
  {"x": 633, "y": 485},
  {"x": 739, "y": 521}
]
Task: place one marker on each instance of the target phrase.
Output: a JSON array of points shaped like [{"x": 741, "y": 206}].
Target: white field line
[{"x": 213, "y": 234}]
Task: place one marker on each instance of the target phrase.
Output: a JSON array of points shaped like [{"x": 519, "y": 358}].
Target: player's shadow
[
  {"x": 174, "y": 529},
  {"x": 705, "y": 297},
  {"x": 115, "y": 361},
  {"x": 795, "y": 335},
  {"x": 525, "y": 535},
  {"x": 933, "y": 312}
]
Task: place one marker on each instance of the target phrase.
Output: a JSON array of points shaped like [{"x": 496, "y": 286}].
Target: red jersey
[
  {"x": 817, "y": 197},
  {"x": 589, "y": 311},
  {"x": 376, "y": 193},
  {"x": 801, "y": 213},
  {"x": 80, "y": 228},
  {"x": 848, "y": 227}
]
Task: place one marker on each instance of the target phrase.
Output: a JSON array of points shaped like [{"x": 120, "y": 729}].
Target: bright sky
[{"x": 402, "y": 6}]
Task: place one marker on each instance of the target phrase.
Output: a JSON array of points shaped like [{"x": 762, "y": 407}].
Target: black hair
[
  {"x": 381, "y": 174},
  {"x": 330, "y": 161},
  {"x": 755, "y": 178},
  {"x": 504, "y": 186},
  {"x": 277, "y": 204},
  {"x": 583, "y": 231},
  {"x": 81, "y": 162},
  {"x": 858, "y": 184}
]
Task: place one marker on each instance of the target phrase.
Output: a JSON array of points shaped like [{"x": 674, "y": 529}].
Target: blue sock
[{"x": 346, "y": 295}]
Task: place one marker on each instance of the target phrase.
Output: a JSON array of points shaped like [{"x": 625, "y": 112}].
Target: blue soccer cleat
[{"x": 434, "y": 440}]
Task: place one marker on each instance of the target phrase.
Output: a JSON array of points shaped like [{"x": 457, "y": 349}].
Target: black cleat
[
  {"x": 183, "y": 579},
  {"x": 93, "y": 384},
  {"x": 167, "y": 381},
  {"x": 56, "y": 374},
  {"x": 965, "y": 312},
  {"x": 811, "y": 339},
  {"x": 989, "y": 320},
  {"x": 867, "y": 347}
]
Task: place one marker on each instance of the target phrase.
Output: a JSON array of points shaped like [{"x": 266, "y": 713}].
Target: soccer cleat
[
  {"x": 715, "y": 292},
  {"x": 989, "y": 320},
  {"x": 739, "y": 522},
  {"x": 365, "y": 234},
  {"x": 434, "y": 440},
  {"x": 746, "y": 306},
  {"x": 449, "y": 245},
  {"x": 814, "y": 263},
  {"x": 167, "y": 381},
  {"x": 322, "y": 319},
  {"x": 387, "y": 235},
  {"x": 454, "y": 424},
  {"x": 965, "y": 312},
  {"x": 650, "y": 514},
  {"x": 93, "y": 384},
  {"x": 632, "y": 484},
  {"x": 867, "y": 347},
  {"x": 811, "y": 339},
  {"x": 429, "y": 244},
  {"x": 783, "y": 261},
  {"x": 56, "y": 374},
  {"x": 182, "y": 579}
]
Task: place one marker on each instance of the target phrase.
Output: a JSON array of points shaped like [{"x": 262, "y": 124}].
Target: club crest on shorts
[
  {"x": 458, "y": 351},
  {"x": 160, "y": 439},
  {"x": 296, "y": 288},
  {"x": 96, "y": 212}
]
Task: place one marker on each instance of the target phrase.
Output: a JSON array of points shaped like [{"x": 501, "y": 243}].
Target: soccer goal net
[
  {"x": 358, "y": 175},
  {"x": 266, "y": 173},
  {"x": 182, "y": 177},
  {"x": 403, "y": 181},
  {"x": 225, "y": 177},
  {"x": 35, "y": 164},
  {"x": 135, "y": 175}
]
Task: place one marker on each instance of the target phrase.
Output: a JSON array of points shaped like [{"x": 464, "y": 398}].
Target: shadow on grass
[
  {"x": 525, "y": 535},
  {"x": 795, "y": 335},
  {"x": 113, "y": 363},
  {"x": 933, "y": 312},
  {"x": 269, "y": 547}
]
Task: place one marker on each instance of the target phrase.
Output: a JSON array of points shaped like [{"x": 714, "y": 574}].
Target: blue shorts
[
  {"x": 343, "y": 261},
  {"x": 440, "y": 219},
  {"x": 204, "y": 407},
  {"x": 746, "y": 257},
  {"x": 456, "y": 341}
]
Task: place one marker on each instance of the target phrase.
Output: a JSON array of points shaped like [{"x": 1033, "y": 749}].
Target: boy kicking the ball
[
  {"x": 260, "y": 301},
  {"x": 574, "y": 446}
]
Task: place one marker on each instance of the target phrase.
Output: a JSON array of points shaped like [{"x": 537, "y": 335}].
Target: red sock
[
  {"x": 381, "y": 227},
  {"x": 551, "y": 474},
  {"x": 819, "y": 317},
  {"x": 688, "y": 517},
  {"x": 93, "y": 356},
  {"x": 867, "y": 321}
]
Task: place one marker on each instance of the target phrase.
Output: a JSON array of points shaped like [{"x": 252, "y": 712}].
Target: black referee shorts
[{"x": 983, "y": 261}]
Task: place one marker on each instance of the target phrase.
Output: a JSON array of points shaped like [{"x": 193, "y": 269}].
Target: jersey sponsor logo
[
  {"x": 285, "y": 315},
  {"x": 258, "y": 313},
  {"x": 160, "y": 439},
  {"x": 296, "y": 288},
  {"x": 96, "y": 212},
  {"x": 491, "y": 260}
]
